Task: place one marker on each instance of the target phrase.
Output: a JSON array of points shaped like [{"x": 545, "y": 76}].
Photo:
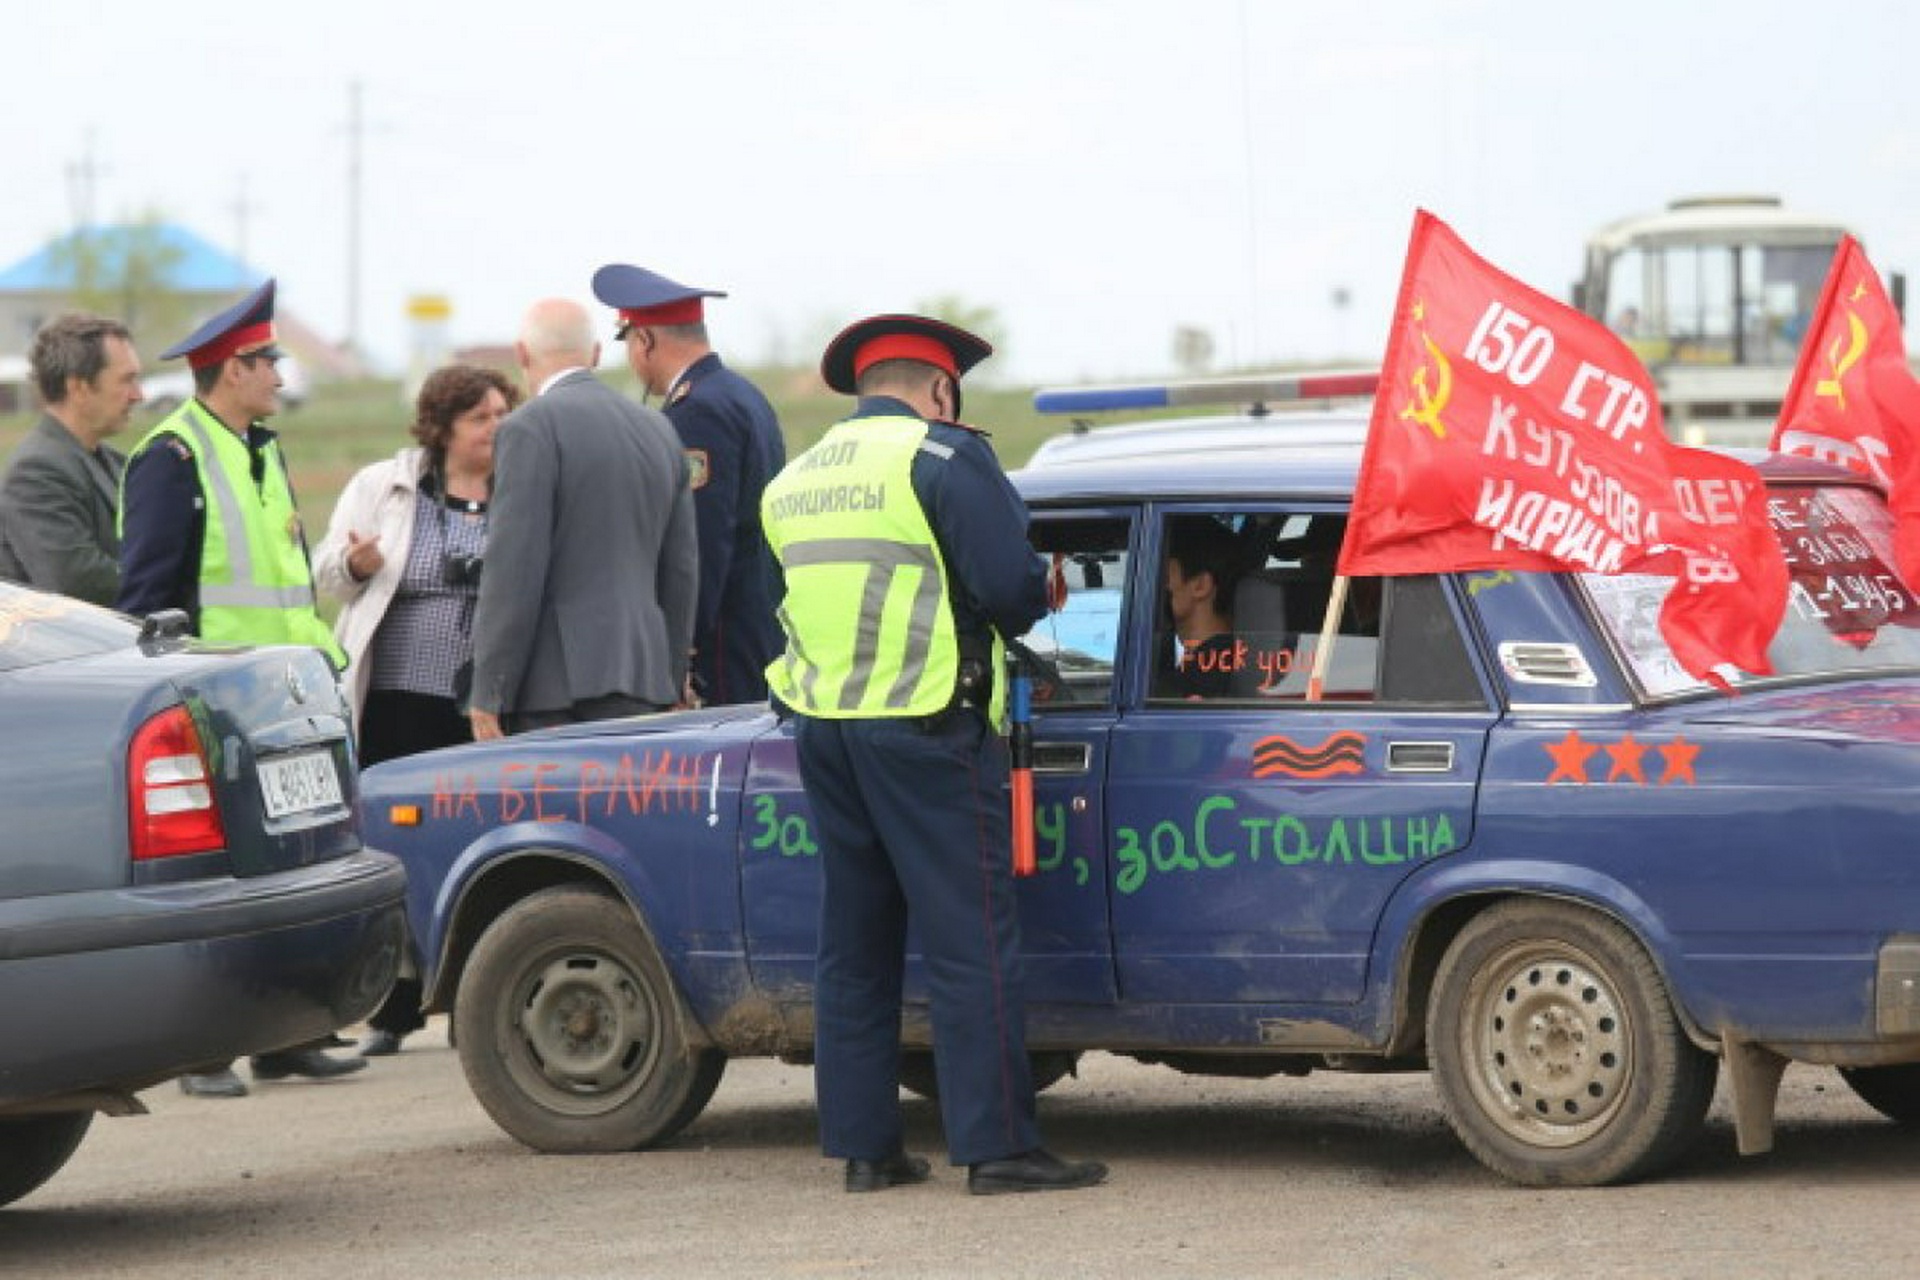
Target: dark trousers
[
  {"x": 395, "y": 723},
  {"x": 913, "y": 824},
  {"x": 610, "y": 706}
]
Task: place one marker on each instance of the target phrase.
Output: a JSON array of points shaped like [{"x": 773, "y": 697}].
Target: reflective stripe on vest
[
  {"x": 245, "y": 591},
  {"x": 882, "y": 559},
  {"x": 255, "y": 585},
  {"x": 845, "y": 525}
]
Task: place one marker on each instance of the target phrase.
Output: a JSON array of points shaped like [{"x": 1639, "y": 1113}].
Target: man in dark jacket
[{"x": 59, "y": 498}]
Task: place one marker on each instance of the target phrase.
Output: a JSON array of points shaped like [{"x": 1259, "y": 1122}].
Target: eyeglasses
[
  {"x": 622, "y": 329},
  {"x": 247, "y": 358}
]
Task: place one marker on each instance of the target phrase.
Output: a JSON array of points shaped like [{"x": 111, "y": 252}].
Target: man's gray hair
[{"x": 71, "y": 346}]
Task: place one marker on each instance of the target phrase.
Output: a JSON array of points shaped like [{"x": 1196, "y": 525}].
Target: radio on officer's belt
[{"x": 973, "y": 684}]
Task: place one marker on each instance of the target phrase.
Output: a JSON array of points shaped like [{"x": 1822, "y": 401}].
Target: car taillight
[{"x": 171, "y": 809}]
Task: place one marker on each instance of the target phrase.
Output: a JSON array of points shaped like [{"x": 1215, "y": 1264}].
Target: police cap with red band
[
  {"x": 866, "y": 343},
  {"x": 644, "y": 297},
  {"x": 245, "y": 328}
]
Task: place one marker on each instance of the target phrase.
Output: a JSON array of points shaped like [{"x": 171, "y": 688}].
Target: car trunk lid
[{"x": 274, "y": 731}]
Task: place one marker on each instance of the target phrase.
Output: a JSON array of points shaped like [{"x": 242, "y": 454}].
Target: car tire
[
  {"x": 1893, "y": 1091},
  {"x": 918, "y": 1077},
  {"x": 34, "y": 1148},
  {"x": 1556, "y": 1050},
  {"x": 573, "y": 1036}
]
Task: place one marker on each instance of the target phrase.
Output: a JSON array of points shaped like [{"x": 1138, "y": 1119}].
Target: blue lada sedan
[{"x": 1512, "y": 843}]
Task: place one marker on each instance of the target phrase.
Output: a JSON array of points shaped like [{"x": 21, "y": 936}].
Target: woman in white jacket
[{"x": 403, "y": 555}]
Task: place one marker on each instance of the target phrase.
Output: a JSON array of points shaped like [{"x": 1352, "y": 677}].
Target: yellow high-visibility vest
[
  {"x": 256, "y": 586},
  {"x": 869, "y": 626}
]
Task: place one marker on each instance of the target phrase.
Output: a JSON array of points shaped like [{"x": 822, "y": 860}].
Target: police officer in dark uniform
[
  {"x": 734, "y": 447},
  {"x": 208, "y": 525},
  {"x": 212, "y": 447},
  {"x": 906, "y": 566}
]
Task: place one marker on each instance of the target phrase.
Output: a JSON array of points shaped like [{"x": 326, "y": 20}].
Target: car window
[
  {"x": 1244, "y": 597},
  {"x": 36, "y": 627},
  {"x": 1847, "y": 609},
  {"x": 1079, "y": 640}
]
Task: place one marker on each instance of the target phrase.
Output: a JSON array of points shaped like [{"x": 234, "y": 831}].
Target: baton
[{"x": 1020, "y": 750}]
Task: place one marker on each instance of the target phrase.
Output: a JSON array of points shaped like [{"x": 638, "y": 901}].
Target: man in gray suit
[
  {"x": 592, "y": 568},
  {"x": 60, "y": 492}
]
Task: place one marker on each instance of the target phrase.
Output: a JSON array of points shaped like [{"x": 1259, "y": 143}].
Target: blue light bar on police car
[{"x": 1259, "y": 389}]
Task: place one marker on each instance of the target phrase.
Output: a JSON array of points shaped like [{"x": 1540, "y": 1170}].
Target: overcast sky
[{"x": 1099, "y": 173}]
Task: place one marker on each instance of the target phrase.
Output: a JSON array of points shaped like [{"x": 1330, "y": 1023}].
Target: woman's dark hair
[{"x": 450, "y": 392}]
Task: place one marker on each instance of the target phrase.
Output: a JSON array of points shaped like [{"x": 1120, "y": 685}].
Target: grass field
[{"x": 344, "y": 426}]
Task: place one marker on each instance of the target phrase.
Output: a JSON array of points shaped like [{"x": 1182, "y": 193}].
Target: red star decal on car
[
  {"x": 1570, "y": 758},
  {"x": 1679, "y": 756},
  {"x": 1625, "y": 755}
]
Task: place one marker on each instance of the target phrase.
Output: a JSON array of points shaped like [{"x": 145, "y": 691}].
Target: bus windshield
[{"x": 1727, "y": 303}]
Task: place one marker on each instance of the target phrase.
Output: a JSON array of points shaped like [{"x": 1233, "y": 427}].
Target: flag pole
[{"x": 1323, "y": 653}]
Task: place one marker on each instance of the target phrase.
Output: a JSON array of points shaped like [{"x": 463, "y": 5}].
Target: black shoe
[
  {"x": 1035, "y": 1170},
  {"x": 311, "y": 1063},
  {"x": 213, "y": 1084},
  {"x": 897, "y": 1170},
  {"x": 381, "y": 1044}
]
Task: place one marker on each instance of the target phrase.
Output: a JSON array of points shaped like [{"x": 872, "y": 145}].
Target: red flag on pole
[
  {"x": 1510, "y": 431},
  {"x": 1853, "y": 399}
]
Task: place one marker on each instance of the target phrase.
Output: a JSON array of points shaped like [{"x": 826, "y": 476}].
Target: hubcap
[
  {"x": 1552, "y": 1044},
  {"x": 583, "y": 1031}
]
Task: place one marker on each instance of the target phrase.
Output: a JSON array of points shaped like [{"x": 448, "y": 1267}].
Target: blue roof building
[
  {"x": 188, "y": 279},
  {"x": 191, "y": 264}
]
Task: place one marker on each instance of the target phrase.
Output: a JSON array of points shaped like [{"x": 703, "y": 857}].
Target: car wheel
[
  {"x": 1556, "y": 1050},
  {"x": 34, "y": 1148},
  {"x": 572, "y": 1034},
  {"x": 917, "y": 1075},
  {"x": 1892, "y": 1091}
]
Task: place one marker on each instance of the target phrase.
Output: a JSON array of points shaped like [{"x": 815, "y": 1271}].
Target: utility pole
[
  {"x": 242, "y": 210},
  {"x": 354, "y": 132},
  {"x": 83, "y": 178}
]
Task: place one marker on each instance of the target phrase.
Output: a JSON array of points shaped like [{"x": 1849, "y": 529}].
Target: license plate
[{"x": 299, "y": 783}]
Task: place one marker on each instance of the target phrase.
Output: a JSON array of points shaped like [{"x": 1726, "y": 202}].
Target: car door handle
[
  {"x": 1420, "y": 757},
  {"x": 1062, "y": 757}
]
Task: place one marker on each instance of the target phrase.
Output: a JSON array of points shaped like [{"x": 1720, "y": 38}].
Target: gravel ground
[{"x": 398, "y": 1172}]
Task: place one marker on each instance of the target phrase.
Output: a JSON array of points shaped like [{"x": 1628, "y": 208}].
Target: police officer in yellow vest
[
  {"x": 208, "y": 526},
  {"x": 905, "y": 562},
  {"x": 207, "y": 519}
]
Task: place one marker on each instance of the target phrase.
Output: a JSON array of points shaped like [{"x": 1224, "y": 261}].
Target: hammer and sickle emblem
[
  {"x": 1840, "y": 362},
  {"x": 1428, "y": 402}
]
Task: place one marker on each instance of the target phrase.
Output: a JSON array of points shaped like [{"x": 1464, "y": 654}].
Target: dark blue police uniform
[
  {"x": 734, "y": 447},
  {"x": 909, "y": 784},
  {"x": 913, "y": 821}
]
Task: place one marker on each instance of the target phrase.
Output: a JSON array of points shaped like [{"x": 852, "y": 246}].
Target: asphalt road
[{"x": 397, "y": 1172}]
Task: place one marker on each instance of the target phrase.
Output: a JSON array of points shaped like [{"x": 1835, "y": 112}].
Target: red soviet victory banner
[
  {"x": 1510, "y": 431},
  {"x": 1853, "y": 401}
]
